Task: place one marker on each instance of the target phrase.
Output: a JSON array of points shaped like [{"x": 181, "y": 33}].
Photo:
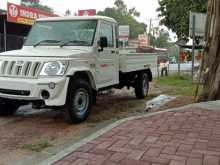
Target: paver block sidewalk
[{"x": 190, "y": 137}]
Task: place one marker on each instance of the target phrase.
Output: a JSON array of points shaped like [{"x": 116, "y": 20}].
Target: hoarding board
[
  {"x": 200, "y": 23},
  {"x": 124, "y": 32},
  {"x": 25, "y": 15},
  {"x": 88, "y": 12}
]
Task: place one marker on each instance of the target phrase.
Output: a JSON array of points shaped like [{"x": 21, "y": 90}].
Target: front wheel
[
  {"x": 7, "y": 108},
  {"x": 79, "y": 101},
  {"x": 142, "y": 86}
]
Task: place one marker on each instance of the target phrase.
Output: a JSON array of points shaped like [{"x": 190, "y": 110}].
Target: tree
[
  {"x": 211, "y": 90},
  {"x": 36, "y": 4},
  {"x": 162, "y": 41},
  {"x": 134, "y": 12},
  {"x": 175, "y": 14},
  {"x": 125, "y": 16},
  {"x": 121, "y": 6},
  {"x": 68, "y": 12}
]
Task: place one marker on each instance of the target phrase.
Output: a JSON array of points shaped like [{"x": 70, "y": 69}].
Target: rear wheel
[
  {"x": 142, "y": 86},
  {"x": 79, "y": 101},
  {"x": 7, "y": 108}
]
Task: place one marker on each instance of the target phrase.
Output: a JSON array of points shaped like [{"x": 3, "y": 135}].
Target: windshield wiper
[
  {"x": 47, "y": 41},
  {"x": 75, "y": 43}
]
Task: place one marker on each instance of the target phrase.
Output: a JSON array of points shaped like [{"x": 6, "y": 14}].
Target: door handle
[{"x": 113, "y": 51}]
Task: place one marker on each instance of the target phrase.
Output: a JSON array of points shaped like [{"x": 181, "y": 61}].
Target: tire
[
  {"x": 79, "y": 101},
  {"x": 7, "y": 109},
  {"x": 142, "y": 86},
  {"x": 94, "y": 97}
]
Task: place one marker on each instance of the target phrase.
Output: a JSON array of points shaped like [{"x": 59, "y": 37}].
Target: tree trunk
[{"x": 211, "y": 90}]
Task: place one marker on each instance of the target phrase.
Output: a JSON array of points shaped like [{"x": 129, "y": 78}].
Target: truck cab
[{"x": 64, "y": 62}]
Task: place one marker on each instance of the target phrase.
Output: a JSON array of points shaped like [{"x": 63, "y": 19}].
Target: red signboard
[
  {"x": 89, "y": 12},
  {"x": 25, "y": 15}
]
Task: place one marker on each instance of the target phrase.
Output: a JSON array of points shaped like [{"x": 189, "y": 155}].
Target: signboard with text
[
  {"x": 124, "y": 31},
  {"x": 25, "y": 15},
  {"x": 89, "y": 12}
]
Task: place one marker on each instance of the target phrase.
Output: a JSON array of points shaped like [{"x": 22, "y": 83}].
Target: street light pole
[
  {"x": 150, "y": 27},
  {"x": 193, "y": 46},
  {"x": 149, "y": 33}
]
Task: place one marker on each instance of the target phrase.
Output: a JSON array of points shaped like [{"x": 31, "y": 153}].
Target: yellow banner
[{"x": 25, "y": 21}]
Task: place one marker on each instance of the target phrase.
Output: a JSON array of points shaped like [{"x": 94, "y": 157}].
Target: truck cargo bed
[{"x": 130, "y": 62}]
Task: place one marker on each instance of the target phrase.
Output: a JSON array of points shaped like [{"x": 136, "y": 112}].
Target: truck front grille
[
  {"x": 15, "y": 92},
  {"x": 20, "y": 68}
]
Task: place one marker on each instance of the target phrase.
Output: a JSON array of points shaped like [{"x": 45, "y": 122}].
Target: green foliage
[
  {"x": 125, "y": 16},
  {"x": 189, "y": 56},
  {"x": 68, "y": 12},
  {"x": 134, "y": 12},
  {"x": 36, "y": 4},
  {"x": 178, "y": 85},
  {"x": 162, "y": 41},
  {"x": 173, "y": 51},
  {"x": 175, "y": 14}
]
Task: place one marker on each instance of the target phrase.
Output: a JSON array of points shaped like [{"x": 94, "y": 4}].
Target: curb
[{"x": 206, "y": 105}]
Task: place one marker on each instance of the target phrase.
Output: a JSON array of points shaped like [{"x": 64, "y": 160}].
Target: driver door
[{"x": 107, "y": 67}]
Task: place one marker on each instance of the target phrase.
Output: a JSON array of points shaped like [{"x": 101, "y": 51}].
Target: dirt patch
[{"x": 30, "y": 132}]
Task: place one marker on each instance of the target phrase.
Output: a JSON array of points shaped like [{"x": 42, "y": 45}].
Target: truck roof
[{"x": 78, "y": 18}]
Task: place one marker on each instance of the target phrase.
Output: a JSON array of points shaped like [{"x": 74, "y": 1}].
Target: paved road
[{"x": 187, "y": 137}]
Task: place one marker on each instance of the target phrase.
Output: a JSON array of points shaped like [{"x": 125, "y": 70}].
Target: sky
[{"x": 146, "y": 7}]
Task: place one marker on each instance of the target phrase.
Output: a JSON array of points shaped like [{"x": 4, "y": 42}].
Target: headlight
[{"x": 55, "y": 68}]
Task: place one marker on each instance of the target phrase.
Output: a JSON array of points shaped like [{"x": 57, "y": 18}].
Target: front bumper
[{"x": 31, "y": 89}]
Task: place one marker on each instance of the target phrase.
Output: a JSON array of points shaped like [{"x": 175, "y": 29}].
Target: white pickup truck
[{"x": 65, "y": 61}]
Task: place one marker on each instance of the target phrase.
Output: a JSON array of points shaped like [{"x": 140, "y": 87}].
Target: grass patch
[
  {"x": 37, "y": 147},
  {"x": 178, "y": 85}
]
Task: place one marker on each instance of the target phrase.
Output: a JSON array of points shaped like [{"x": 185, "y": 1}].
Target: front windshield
[{"x": 69, "y": 33}]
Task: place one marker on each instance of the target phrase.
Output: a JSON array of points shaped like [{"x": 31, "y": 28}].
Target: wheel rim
[
  {"x": 81, "y": 102},
  {"x": 145, "y": 85}
]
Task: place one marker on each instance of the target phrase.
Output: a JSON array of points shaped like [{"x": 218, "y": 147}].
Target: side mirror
[{"x": 103, "y": 43}]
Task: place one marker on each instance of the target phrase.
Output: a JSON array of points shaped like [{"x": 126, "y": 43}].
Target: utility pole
[
  {"x": 150, "y": 26},
  {"x": 193, "y": 46},
  {"x": 149, "y": 33},
  {"x": 180, "y": 50},
  {"x": 154, "y": 38},
  {"x": 149, "y": 30}
]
